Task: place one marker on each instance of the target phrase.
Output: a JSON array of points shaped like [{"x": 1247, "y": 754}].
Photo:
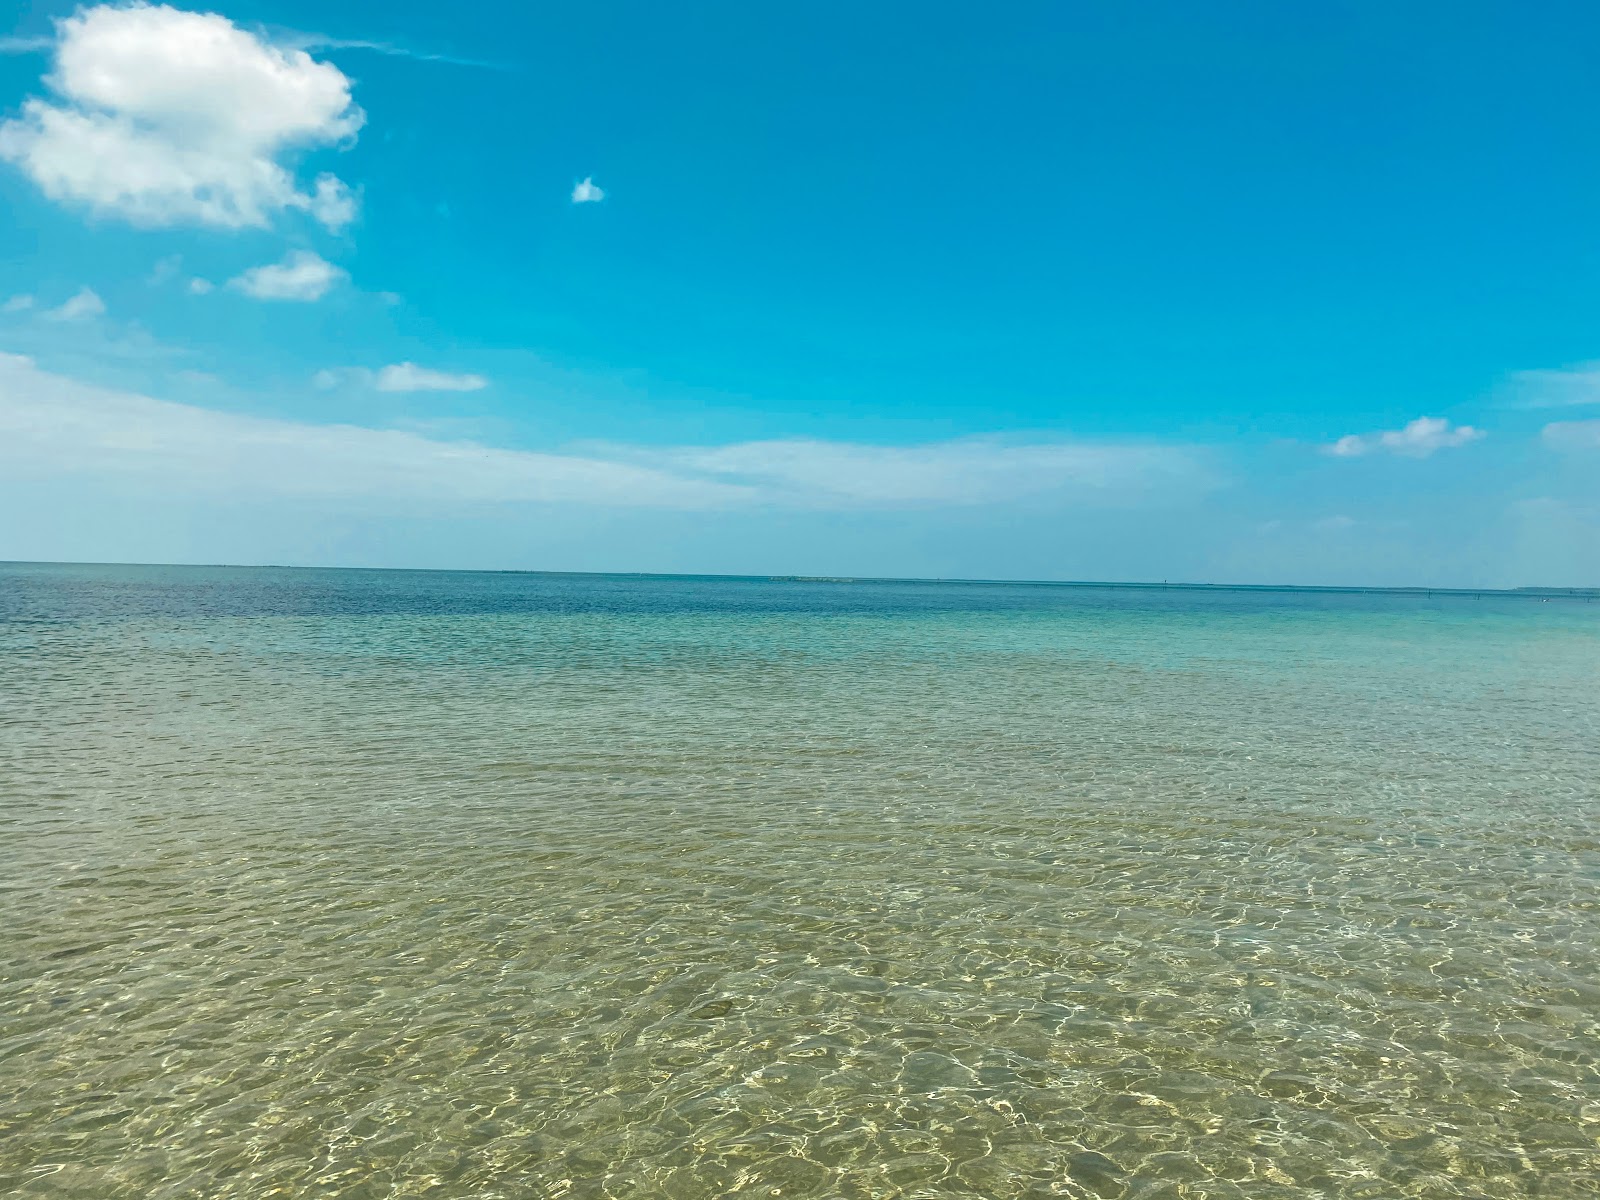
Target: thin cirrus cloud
[
  {"x": 1572, "y": 435},
  {"x": 162, "y": 117},
  {"x": 586, "y": 192},
  {"x": 399, "y": 377},
  {"x": 52, "y": 426},
  {"x": 408, "y": 377},
  {"x": 81, "y": 306},
  {"x": 18, "y": 303},
  {"x": 1562, "y": 387},
  {"x": 302, "y": 275},
  {"x": 1420, "y": 439},
  {"x": 809, "y": 472},
  {"x": 164, "y": 269},
  {"x": 318, "y": 41}
]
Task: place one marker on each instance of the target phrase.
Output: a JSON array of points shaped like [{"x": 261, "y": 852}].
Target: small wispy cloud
[
  {"x": 200, "y": 287},
  {"x": 1419, "y": 439},
  {"x": 19, "y": 303},
  {"x": 398, "y": 377},
  {"x": 587, "y": 193},
  {"x": 408, "y": 377},
  {"x": 81, "y": 307},
  {"x": 164, "y": 270},
  {"x": 1562, "y": 387},
  {"x": 302, "y": 275},
  {"x": 813, "y": 473},
  {"x": 1572, "y": 435},
  {"x": 320, "y": 41},
  {"x": 25, "y": 45},
  {"x": 333, "y": 203}
]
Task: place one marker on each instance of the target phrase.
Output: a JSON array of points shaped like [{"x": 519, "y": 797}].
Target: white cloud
[
  {"x": 408, "y": 377},
  {"x": 164, "y": 117},
  {"x": 1419, "y": 439},
  {"x": 816, "y": 473},
  {"x": 318, "y": 41},
  {"x": 52, "y": 426},
  {"x": 333, "y": 203},
  {"x": 85, "y": 304},
  {"x": 24, "y": 45},
  {"x": 1573, "y": 435},
  {"x": 302, "y": 275},
  {"x": 1563, "y": 388},
  {"x": 199, "y": 287},
  {"x": 165, "y": 269},
  {"x": 17, "y": 304},
  {"x": 398, "y": 377},
  {"x": 587, "y": 193}
]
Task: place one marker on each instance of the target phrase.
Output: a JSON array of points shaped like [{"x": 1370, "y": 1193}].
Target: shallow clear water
[{"x": 373, "y": 884}]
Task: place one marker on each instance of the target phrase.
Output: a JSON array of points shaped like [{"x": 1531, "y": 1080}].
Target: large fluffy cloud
[
  {"x": 165, "y": 117},
  {"x": 53, "y": 427}
]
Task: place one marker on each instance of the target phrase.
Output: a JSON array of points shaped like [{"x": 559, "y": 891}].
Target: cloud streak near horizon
[{"x": 54, "y": 426}]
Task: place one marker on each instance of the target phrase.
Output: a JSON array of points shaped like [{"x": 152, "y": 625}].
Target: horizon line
[{"x": 1543, "y": 591}]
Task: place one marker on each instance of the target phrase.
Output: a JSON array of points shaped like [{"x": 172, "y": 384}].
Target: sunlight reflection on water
[{"x": 381, "y": 884}]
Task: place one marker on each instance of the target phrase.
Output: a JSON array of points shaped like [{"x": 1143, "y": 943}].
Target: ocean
[{"x": 323, "y": 883}]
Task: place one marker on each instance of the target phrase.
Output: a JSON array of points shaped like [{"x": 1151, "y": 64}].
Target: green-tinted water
[{"x": 378, "y": 884}]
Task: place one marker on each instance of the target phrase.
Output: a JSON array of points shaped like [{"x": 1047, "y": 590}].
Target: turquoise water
[{"x": 384, "y": 884}]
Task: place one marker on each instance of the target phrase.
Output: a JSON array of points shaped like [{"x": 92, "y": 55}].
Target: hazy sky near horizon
[{"x": 1235, "y": 292}]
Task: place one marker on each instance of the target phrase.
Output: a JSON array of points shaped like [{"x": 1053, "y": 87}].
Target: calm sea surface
[{"x": 391, "y": 884}]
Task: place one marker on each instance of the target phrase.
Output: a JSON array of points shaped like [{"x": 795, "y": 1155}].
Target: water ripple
[{"x": 1048, "y": 900}]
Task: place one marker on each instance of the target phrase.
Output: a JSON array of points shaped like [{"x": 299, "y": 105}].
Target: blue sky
[{"x": 1245, "y": 291}]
